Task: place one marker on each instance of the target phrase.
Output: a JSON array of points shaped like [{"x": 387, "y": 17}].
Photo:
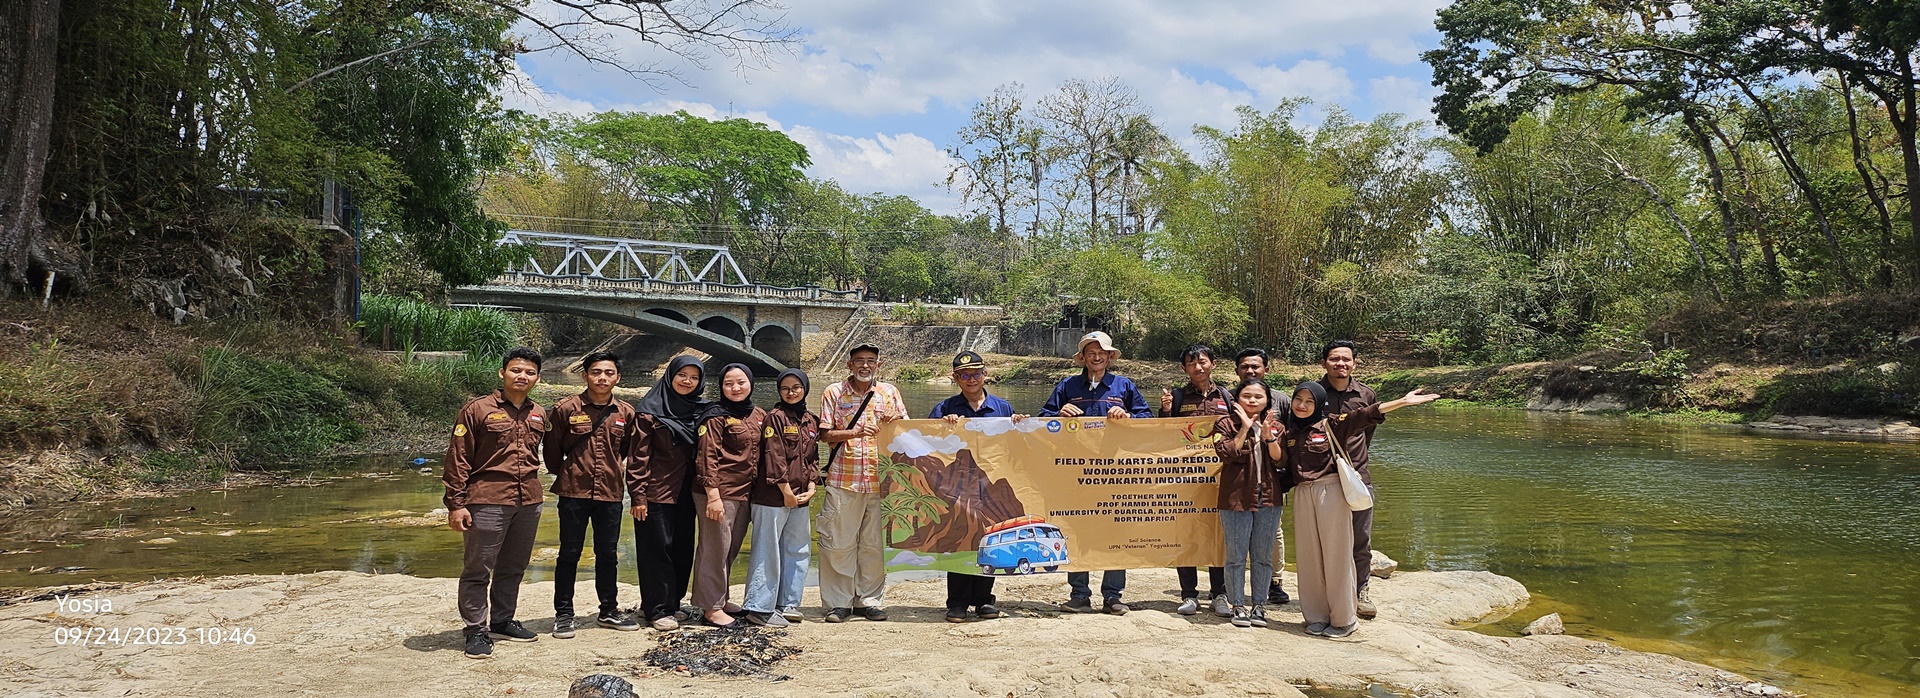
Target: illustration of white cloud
[
  {"x": 907, "y": 558},
  {"x": 995, "y": 426},
  {"x": 914, "y": 444}
]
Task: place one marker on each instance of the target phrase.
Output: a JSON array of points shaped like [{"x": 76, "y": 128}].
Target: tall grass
[
  {"x": 258, "y": 408},
  {"x": 417, "y": 326}
]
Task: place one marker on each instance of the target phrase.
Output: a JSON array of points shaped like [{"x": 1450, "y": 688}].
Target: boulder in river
[
  {"x": 601, "y": 686},
  {"x": 1383, "y": 566},
  {"x": 1546, "y": 625}
]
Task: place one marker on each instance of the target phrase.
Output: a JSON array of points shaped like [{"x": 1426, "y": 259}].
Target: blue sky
[{"x": 876, "y": 89}]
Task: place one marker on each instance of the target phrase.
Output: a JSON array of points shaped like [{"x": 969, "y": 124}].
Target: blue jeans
[
  {"x": 1249, "y": 533},
  {"x": 1112, "y": 582},
  {"x": 777, "y": 562}
]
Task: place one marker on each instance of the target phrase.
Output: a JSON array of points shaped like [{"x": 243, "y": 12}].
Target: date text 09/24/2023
[{"x": 151, "y": 635}]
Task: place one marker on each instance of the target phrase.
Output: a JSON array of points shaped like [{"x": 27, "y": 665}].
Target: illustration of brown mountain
[{"x": 974, "y": 503}]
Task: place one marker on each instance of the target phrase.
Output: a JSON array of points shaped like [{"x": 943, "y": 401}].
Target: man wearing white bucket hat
[{"x": 1097, "y": 392}]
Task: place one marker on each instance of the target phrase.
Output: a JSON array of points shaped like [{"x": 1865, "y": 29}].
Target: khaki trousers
[
  {"x": 1279, "y": 546},
  {"x": 1323, "y": 551},
  {"x": 853, "y": 566},
  {"x": 713, "y": 554}
]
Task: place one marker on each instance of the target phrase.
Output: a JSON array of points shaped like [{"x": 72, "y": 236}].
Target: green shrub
[
  {"x": 438, "y": 388},
  {"x": 914, "y": 373},
  {"x": 258, "y": 408},
  {"x": 417, "y": 326}
]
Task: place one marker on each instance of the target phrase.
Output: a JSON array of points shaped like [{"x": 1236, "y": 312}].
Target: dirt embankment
[{"x": 343, "y": 633}]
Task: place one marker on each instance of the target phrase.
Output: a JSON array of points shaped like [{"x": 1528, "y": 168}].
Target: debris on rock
[{"x": 749, "y": 652}]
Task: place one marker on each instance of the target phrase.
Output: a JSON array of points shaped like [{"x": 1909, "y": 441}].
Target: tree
[
  {"x": 29, "y": 34},
  {"x": 903, "y": 275},
  {"x": 989, "y": 164},
  {"x": 1080, "y": 121}
]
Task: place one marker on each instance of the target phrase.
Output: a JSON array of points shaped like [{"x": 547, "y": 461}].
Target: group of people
[{"x": 697, "y": 475}]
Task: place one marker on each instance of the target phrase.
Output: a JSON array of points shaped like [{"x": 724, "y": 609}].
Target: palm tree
[{"x": 1130, "y": 150}]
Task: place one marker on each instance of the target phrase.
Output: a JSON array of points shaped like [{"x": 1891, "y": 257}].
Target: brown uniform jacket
[
  {"x": 789, "y": 453},
  {"x": 1310, "y": 455},
  {"x": 494, "y": 455},
  {"x": 589, "y": 462},
  {"x": 657, "y": 463},
  {"x": 727, "y": 457},
  {"x": 1243, "y": 486},
  {"x": 1351, "y": 400},
  {"x": 1188, "y": 402}
]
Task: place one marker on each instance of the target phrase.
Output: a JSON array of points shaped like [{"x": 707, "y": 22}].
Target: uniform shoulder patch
[
  {"x": 459, "y": 430},
  {"x": 768, "y": 434},
  {"x": 702, "y": 431}
]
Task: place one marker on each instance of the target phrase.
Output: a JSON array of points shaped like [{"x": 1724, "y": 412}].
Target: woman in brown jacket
[
  {"x": 782, "y": 534},
  {"x": 660, "y": 488},
  {"x": 1322, "y": 520},
  {"x": 1250, "y": 489},
  {"x": 726, "y": 462}
]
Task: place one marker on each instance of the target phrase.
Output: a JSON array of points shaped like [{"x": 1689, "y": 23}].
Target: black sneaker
[
  {"x": 563, "y": 627},
  {"x": 1277, "y": 596},
  {"x": 839, "y": 615},
  {"x": 617, "y": 621},
  {"x": 1079, "y": 606},
  {"x": 988, "y": 611},
  {"x": 871, "y": 612},
  {"x": 1114, "y": 607},
  {"x": 954, "y": 616},
  {"x": 479, "y": 645},
  {"x": 511, "y": 630}
]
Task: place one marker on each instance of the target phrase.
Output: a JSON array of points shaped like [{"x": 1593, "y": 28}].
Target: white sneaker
[
  {"x": 792, "y": 613},
  {"x": 1221, "y": 607},
  {"x": 1189, "y": 606}
]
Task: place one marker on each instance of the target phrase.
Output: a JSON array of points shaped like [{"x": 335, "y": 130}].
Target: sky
[{"x": 876, "y": 89}]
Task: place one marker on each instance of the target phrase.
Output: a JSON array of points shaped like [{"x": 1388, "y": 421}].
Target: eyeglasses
[
  {"x": 970, "y": 375},
  {"x": 865, "y": 362},
  {"x": 793, "y": 388}
]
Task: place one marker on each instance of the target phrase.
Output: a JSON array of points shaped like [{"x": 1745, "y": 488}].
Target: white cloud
[
  {"x": 914, "y": 444},
  {"x": 903, "y": 163},
  {"x": 1314, "y": 79},
  {"x": 995, "y": 426},
  {"x": 1407, "y": 96}
]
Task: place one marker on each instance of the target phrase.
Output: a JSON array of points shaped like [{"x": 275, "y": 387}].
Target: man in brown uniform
[
  {"x": 493, "y": 498},
  {"x": 1200, "y": 397},
  {"x": 586, "y": 451}
]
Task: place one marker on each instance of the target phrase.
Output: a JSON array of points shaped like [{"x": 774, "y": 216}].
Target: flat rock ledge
[
  {"x": 346, "y": 633},
  {"x": 1889, "y": 427}
]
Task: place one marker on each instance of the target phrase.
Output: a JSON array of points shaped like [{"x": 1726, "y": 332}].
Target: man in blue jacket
[{"x": 1097, "y": 392}]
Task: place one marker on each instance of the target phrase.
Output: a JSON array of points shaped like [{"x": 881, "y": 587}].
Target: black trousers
[
  {"x": 576, "y": 515},
  {"x": 663, "y": 550},
  {"x": 1190, "y": 582},
  {"x": 968, "y": 590}
]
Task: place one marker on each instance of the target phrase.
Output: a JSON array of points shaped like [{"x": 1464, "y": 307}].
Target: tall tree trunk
[
  {"x": 1728, "y": 228},
  {"x": 1861, "y": 159},
  {"x": 1910, "y": 156},
  {"x": 1798, "y": 175},
  {"x": 1769, "y": 258},
  {"x": 29, "y": 37},
  {"x": 1699, "y": 256}
]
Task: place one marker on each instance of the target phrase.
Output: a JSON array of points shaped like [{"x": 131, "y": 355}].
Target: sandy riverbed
[{"x": 351, "y": 634}]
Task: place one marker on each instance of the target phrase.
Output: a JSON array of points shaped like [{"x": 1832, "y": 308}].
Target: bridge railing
[{"x": 695, "y": 288}]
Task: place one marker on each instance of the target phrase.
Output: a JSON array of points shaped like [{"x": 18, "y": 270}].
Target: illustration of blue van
[{"x": 1017, "y": 546}]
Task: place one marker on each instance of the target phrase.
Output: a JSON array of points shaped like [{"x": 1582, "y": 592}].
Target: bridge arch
[
  {"x": 671, "y": 314},
  {"x": 779, "y": 342},
  {"x": 724, "y": 348},
  {"x": 724, "y": 326}
]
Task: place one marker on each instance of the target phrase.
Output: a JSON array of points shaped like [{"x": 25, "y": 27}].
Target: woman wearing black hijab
[
  {"x": 726, "y": 462},
  {"x": 659, "y": 463},
  {"x": 1322, "y": 520},
  {"x": 782, "y": 534}
]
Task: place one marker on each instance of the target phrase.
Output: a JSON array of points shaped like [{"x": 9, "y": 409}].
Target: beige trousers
[
  {"x": 853, "y": 566},
  {"x": 1323, "y": 549},
  {"x": 718, "y": 544}
]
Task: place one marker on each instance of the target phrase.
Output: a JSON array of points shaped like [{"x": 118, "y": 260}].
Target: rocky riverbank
[{"x": 344, "y": 633}]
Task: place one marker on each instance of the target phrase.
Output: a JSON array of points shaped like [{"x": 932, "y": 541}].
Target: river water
[{"x": 1795, "y": 561}]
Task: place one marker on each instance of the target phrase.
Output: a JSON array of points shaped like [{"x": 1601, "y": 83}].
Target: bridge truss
[{"x": 622, "y": 259}]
